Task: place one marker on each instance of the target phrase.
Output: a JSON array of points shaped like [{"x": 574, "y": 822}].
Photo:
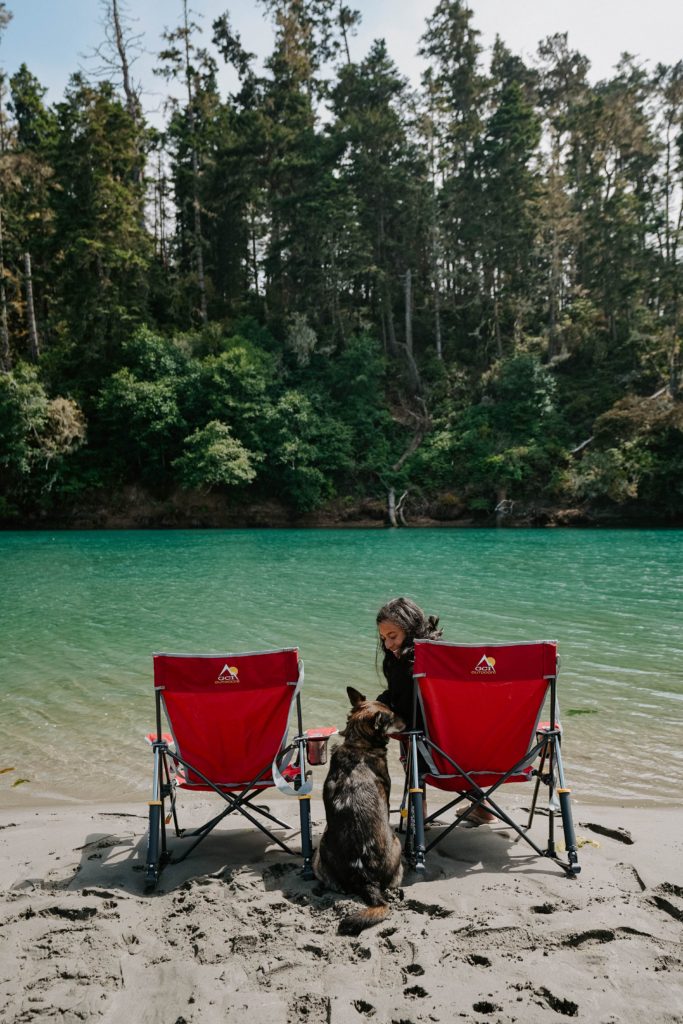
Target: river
[{"x": 82, "y": 612}]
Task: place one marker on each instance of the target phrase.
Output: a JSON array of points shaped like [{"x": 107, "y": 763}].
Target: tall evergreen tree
[
  {"x": 501, "y": 182},
  {"x": 563, "y": 91},
  {"x": 384, "y": 173},
  {"x": 101, "y": 250},
  {"x": 190, "y": 129}
]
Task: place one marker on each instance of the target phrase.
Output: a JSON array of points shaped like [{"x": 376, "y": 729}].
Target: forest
[{"x": 333, "y": 296}]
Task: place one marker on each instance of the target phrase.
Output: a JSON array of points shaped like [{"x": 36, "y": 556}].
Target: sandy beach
[{"x": 491, "y": 933}]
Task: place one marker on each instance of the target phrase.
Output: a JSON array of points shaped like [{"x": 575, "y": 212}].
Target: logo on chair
[
  {"x": 486, "y": 666},
  {"x": 228, "y": 674}
]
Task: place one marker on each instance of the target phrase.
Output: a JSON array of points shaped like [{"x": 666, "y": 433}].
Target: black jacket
[{"x": 398, "y": 695}]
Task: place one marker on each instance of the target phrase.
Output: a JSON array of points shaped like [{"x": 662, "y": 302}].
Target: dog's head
[{"x": 370, "y": 721}]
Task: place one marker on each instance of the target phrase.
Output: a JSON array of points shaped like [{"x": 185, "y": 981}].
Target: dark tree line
[{"x": 330, "y": 288}]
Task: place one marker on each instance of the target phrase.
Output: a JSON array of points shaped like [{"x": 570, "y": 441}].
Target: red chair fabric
[
  {"x": 228, "y": 714},
  {"x": 481, "y": 706}
]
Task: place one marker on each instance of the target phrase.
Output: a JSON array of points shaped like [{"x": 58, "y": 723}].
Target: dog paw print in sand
[
  {"x": 362, "y": 1006},
  {"x": 432, "y": 910},
  {"x": 415, "y": 992},
  {"x": 545, "y": 998},
  {"x": 476, "y": 960},
  {"x": 486, "y": 1006}
]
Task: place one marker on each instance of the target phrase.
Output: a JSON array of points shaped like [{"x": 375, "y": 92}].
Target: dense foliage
[{"x": 329, "y": 288}]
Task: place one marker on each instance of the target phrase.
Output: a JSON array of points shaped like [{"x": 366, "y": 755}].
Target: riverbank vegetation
[{"x": 331, "y": 294}]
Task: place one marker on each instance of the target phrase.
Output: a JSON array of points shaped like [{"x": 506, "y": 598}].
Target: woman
[{"x": 400, "y": 622}]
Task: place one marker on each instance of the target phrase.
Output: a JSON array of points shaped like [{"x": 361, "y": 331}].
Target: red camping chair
[
  {"x": 229, "y": 717},
  {"x": 481, "y": 707}
]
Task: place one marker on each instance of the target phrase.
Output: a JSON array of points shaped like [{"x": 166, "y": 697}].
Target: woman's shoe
[{"x": 480, "y": 816}]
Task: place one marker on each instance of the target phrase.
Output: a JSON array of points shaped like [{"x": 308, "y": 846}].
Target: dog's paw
[{"x": 348, "y": 926}]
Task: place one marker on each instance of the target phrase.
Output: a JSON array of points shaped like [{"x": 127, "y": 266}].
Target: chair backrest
[
  {"x": 228, "y": 713},
  {"x": 482, "y": 703}
]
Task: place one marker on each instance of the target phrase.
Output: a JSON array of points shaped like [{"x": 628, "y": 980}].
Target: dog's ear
[{"x": 355, "y": 697}]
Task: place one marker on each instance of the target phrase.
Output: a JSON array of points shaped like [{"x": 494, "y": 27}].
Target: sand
[{"x": 491, "y": 933}]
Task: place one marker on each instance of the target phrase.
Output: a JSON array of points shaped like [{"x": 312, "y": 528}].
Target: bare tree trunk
[
  {"x": 132, "y": 102},
  {"x": 5, "y": 353},
  {"x": 344, "y": 33},
  {"x": 436, "y": 278},
  {"x": 158, "y": 213},
  {"x": 121, "y": 43},
  {"x": 400, "y": 514},
  {"x": 389, "y": 317},
  {"x": 409, "y": 312},
  {"x": 391, "y": 507},
  {"x": 414, "y": 373},
  {"x": 496, "y": 327},
  {"x": 33, "y": 344},
  {"x": 503, "y": 507},
  {"x": 199, "y": 255},
  {"x": 254, "y": 259},
  {"x": 674, "y": 375},
  {"x": 437, "y": 315},
  {"x": 555, "y": 277}
]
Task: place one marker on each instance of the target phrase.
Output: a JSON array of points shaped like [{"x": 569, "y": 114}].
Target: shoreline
[
  {"x": 115, "y": 525},
  {"x": 134, "y": 508},
  {"x": 489, "y": 934},
  {"x": 21, "y": 803}
]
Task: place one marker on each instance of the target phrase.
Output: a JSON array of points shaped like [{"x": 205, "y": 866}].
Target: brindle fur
[{"x": 359, "y": 853}]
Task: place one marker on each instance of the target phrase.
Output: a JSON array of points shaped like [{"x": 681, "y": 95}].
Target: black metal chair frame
[
  {"x": 547, "y": 747},
  {"x": 164, "y": 789}
]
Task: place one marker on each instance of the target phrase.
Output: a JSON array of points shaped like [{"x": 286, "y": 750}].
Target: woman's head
[{"x": 400, "y": 622}]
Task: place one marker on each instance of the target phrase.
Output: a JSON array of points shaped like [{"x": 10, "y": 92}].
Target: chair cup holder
[
  {"x": 316, "y": 744},
  {"x": 316, "y": 752}
]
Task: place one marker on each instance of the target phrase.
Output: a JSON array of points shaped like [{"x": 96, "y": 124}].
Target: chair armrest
[{"x": 151, "y": 738}]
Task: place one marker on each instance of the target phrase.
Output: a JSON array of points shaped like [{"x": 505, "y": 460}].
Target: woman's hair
[{"x": 412, "y": 620}]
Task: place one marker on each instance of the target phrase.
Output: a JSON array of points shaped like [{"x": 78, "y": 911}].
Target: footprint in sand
[
  {"x": 564, "y": 1006},
  {"x": 620, "y": 834},
  {"x": 593, "y": 935}
]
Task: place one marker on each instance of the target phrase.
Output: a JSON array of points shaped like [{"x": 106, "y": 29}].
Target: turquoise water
[{"x": 81, "y": 614}]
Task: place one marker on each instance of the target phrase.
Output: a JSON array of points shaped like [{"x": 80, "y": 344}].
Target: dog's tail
[{"x": 377, "y": 911}]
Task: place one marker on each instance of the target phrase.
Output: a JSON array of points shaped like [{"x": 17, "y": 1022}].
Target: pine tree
[{"x": 101, "y": 250}]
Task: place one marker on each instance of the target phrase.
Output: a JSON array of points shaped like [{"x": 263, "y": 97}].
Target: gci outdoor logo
[
  {"x": 486, "y": 666},
  {"x": 228, "y": 674}
]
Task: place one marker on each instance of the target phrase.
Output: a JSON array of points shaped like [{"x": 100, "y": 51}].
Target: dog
[{"x": 358, "y": 852}]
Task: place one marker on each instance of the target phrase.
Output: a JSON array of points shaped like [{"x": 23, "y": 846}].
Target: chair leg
[
  {"x": 417, "y": 818},
  {"x": 415, "y": 849},
  {"x": 154, "y": 847},
  {"x": 157, "y": 853},
  {"x": 306, "y": 837},
  {"x": 569, "y": 835},
  {"x": 537, "y": 786},
  {"x": 562, "y": 792}
]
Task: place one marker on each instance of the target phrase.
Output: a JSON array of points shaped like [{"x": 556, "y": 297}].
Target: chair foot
[{"x": 152, "y": 877}]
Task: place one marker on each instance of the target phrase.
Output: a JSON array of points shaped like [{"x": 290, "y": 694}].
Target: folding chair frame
[
  {"x": 164, "y": 788},
  {"x": 547, "y": 746}
]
